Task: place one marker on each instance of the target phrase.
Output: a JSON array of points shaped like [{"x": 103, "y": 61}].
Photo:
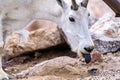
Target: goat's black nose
[{"x": 89, "y": 49}]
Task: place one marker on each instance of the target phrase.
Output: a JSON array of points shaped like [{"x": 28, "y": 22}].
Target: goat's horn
[
  {"x": 74, "y": 5},
  {"x": 84, "y": 3}
]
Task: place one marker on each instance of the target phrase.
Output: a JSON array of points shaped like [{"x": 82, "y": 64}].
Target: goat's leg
[
  {"x": 1, "y": 34},
  {"x": 3, "y": 75}
]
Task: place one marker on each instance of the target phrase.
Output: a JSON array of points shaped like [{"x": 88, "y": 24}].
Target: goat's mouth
[{"x": 87, "y": 57}]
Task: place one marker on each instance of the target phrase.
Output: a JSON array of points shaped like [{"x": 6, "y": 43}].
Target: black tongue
[{"x": 87, "y": 58}]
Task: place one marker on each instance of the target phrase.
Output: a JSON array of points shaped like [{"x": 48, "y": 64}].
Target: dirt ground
[{"x": 110, "y": 66}]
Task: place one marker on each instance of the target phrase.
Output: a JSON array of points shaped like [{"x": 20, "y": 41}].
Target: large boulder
[
  {"x": 106, "y": 34},
  {"x": 70, "y": 68},
  {"x": 43, "y": 34},
  {"x": 97, "y": 11}
]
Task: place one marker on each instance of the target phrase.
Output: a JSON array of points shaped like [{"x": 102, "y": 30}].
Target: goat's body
[{"x": 17, "y": 15}]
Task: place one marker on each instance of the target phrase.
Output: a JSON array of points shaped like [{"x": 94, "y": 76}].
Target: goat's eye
[{"x": 71, "y": 19}]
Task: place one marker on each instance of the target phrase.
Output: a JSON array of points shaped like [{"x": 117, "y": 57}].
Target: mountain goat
[{"x": 70, "y": 15}]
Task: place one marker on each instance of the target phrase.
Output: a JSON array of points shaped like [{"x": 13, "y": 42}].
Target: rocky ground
[{"x": 61, "y": 64}]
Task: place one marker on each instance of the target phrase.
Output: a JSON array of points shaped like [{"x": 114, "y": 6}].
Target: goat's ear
[
  {"x": 84, "y": 3},
  {"x": 62, "y": 3}
]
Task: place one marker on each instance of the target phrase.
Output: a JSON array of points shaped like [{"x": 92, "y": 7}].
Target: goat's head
[{"x": 74, "y": 23}]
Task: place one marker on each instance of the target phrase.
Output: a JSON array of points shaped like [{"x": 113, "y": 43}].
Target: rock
[
  {"x": 96, "y": 56},
  {"x": 107, "y": 46},
  {"x": 61, "y": 65},
  {"x": 44, "y": 78},
  {"x": 110, "y": 68},
  {"x": 43, "y": 34},
  {"x": 108, "y": 26},
  {"x": 16, "y": 61},
  {"x": 97, "y": 11},
  {"x": 106, "y": 34},
  {"x": 49, "y": 67}
]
